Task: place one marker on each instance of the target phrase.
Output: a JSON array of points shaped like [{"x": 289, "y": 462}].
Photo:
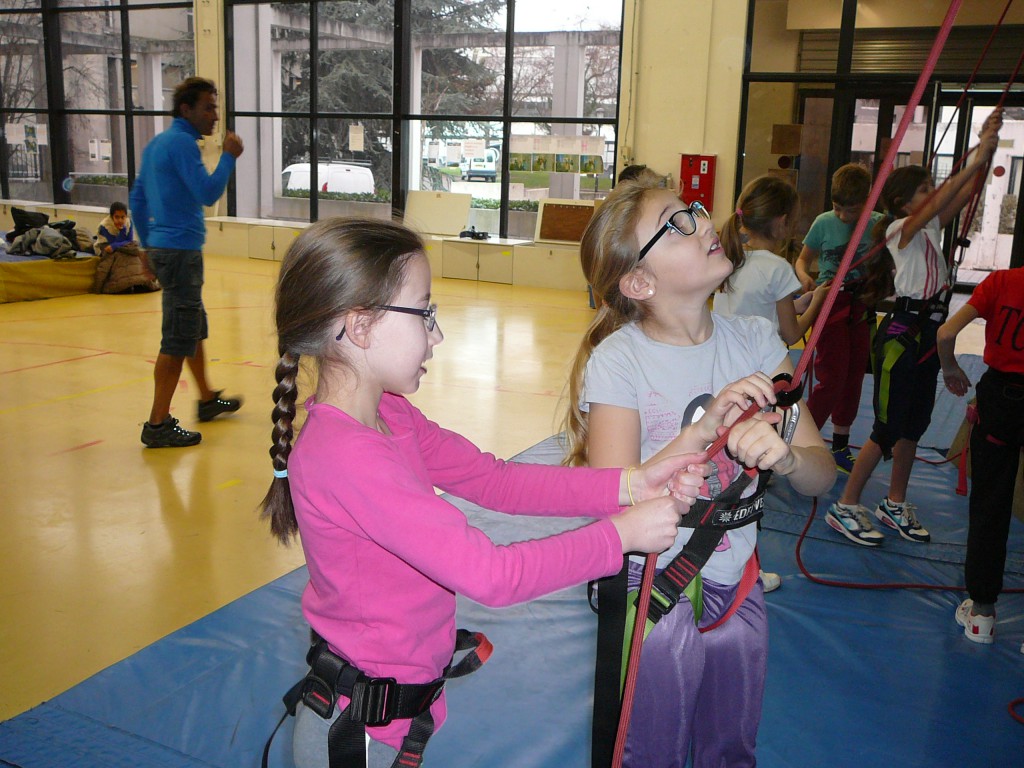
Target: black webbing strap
[
  {"x": 611, "y": 628},
  {"x": 724, "y": 513},
  {"x": 612, "y": 597},
  {"x": 373, "y": 701}
]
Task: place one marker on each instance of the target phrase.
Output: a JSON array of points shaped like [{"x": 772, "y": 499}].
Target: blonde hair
[
  {"x": 608, "y": 252},
  {"x": 335, "y": 266}
]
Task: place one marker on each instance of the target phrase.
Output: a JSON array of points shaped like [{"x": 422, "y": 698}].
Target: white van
[
  {"x": 485, "y": 167},
  {"x": 331, "y": 177}
]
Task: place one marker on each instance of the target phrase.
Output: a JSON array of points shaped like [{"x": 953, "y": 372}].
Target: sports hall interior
[{"x": 111, "y": 550}]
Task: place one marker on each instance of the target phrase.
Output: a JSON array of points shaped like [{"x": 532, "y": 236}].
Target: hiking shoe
[
  {"x": 844, "y": 459},
  {"x": 903, "y": 518},
  {"x": 771, "y": 581},
  {"x": 211, "y": 409},
  {"x": 168, "y": 435},
  {"x": 853, "y": 522},
  {"x": 977, "y": 629}
]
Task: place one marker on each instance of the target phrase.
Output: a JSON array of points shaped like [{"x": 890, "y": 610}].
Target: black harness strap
[
  {"x": 611, "y": 627},
  {"x": 373, "y": 701},
  {"x": 711, "y": 519}
]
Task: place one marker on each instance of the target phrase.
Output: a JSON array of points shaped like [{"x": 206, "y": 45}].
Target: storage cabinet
[
  {"x": 547, "y": 266},
  {"x": 488, "y": 260}
]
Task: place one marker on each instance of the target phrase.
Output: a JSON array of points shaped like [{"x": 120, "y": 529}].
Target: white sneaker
[
  {"x": 771, "y": 581},
  {"x": 903, "y": 517},
  {"x": 853, "y": 522},
  {"x": 977, "y": 629}
]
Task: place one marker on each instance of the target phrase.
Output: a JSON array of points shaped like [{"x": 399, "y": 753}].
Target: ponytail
[
  {"x": 277, "y": 505},
  {"x": 762, "y": 202},
  {"x": 574, "y": 422},
  {"x": 732, "y": 243},
  {"x": 608, "y": 252},
  {"x": 880, "y": 269}
]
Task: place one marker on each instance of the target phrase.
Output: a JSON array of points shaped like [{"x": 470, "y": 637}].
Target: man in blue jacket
[{"x": 167, "y": 205}]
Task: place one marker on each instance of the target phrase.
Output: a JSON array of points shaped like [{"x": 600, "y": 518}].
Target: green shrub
[
  {"x": 103, "y": 179},
  {"x": 356, "y": 197}
]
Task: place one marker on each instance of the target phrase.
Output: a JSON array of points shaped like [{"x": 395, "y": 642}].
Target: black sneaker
[
  {"x": 168, "y": 435},
  {"x": 211, "y": 409}
]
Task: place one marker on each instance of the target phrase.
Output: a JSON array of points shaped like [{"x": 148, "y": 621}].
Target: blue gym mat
[{"x": 856, "y": 678}]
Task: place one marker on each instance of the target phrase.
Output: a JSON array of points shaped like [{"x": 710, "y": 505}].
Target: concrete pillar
[{"x": 567, "y": 99}]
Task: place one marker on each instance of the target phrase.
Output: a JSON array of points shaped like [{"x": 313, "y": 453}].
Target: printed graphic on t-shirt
[
  {"x": 723, "y": 469},
  {"x": 661, "y": 419}
]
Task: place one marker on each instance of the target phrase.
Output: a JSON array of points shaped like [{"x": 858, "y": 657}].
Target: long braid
[
  {"x": 277, "y": 505},
  {"x": 338, "y": 265}
]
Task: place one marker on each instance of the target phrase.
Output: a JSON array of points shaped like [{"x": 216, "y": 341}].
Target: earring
[{"x": 650, "y": 291}]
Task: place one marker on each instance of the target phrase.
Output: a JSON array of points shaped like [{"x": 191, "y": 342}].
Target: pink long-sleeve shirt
[{"x": 387, "y": 555}]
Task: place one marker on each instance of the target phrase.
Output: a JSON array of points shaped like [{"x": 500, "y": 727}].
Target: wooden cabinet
[
  {"x": 266, "y": 239},
  {"x": 549, "y": 266},
  {"x": 488, "y": 260}
]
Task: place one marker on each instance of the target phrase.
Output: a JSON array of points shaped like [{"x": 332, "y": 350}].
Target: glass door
[{"x": 991, "y": 230}]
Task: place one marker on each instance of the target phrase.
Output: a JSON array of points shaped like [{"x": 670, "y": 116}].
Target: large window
[
  {"x": 84, "y": 85},
  {"x": 510, "y": 101}
]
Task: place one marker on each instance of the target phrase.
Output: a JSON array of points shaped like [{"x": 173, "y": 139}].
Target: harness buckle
[
  {"x": 373, "y": 700},
  {"x": 660, "y": 604},
  {"x": 319, "y": 696}
]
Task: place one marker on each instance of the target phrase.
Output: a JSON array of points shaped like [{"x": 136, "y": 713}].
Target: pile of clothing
[{"x": 34, "y": 234}]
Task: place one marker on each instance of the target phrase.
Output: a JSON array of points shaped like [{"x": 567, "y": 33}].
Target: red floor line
[
  {"x": 54, "y": 362},
  {"x": 76, "y": 448}
]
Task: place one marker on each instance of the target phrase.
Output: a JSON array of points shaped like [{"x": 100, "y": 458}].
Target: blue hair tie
[{"x": 282, "y": 473}]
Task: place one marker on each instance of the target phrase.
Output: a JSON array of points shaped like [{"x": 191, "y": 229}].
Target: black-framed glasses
[
  {"x": 683, "y": 222},
  {"x": 429, "y": 315}
]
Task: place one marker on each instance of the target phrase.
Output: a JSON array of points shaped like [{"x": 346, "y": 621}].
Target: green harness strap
[{"x": 694, "y": 592}]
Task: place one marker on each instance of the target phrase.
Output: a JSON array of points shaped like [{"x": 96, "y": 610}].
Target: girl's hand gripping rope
[{"x": 661, "y": 492}]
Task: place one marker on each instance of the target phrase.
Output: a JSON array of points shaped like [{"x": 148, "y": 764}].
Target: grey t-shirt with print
[{"x": 668, "y": 386}]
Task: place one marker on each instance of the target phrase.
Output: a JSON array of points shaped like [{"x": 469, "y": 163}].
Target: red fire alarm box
[{"x": 697, "y": 179}]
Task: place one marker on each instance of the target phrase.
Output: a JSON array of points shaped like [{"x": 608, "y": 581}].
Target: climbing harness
[
  {"x": 373, "y": 701},
  {"x": 658, "y": 595}
]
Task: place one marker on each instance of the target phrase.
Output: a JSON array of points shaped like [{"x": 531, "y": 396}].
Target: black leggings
[{"x": 996, "y": 442}]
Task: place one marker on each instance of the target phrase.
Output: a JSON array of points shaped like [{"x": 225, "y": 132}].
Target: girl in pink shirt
[{"x": 386, "y": 554}]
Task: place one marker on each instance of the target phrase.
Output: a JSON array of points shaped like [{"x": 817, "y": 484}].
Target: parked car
[
  {"x": 485, "y": 167},
  {"x": 331, "y": 177}
]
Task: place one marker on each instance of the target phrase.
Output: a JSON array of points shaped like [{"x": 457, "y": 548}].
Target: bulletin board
[{"x": 563, "y": 221}]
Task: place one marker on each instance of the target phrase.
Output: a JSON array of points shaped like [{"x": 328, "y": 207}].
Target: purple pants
[{"x": 700, "y": 692}]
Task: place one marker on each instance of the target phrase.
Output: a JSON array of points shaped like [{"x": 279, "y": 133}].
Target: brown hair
[
  {"x": 608, "y": 252},
  {"x": 188, "y": 92},
  {"x": 335, "y": 266},
  {"x": 851, "y": 185},
  {"x": 761, "y": 202}
]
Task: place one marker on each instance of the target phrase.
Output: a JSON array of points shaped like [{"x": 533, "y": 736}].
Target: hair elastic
[
  {"x": 739, "y": 212},
  {"x": 629, "y": 490},
  {"x": 282, "y": 473}
]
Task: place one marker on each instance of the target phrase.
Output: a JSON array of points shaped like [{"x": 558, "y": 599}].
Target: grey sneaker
[
  {"x": 853, "y": 522},
  {"x": 210, "y": 409},
  {"x": 168, "y": 435},
  {"x": 902, "y": 517}
]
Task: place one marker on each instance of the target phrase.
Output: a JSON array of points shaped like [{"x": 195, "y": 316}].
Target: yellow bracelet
[{"x": 629, "y": 490}]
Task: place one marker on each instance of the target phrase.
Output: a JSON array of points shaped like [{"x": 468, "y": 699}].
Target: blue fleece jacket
[{"x": 172, "y": 187}]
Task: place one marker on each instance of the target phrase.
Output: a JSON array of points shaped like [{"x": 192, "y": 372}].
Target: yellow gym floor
[{"x": 108, "y": 546}]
